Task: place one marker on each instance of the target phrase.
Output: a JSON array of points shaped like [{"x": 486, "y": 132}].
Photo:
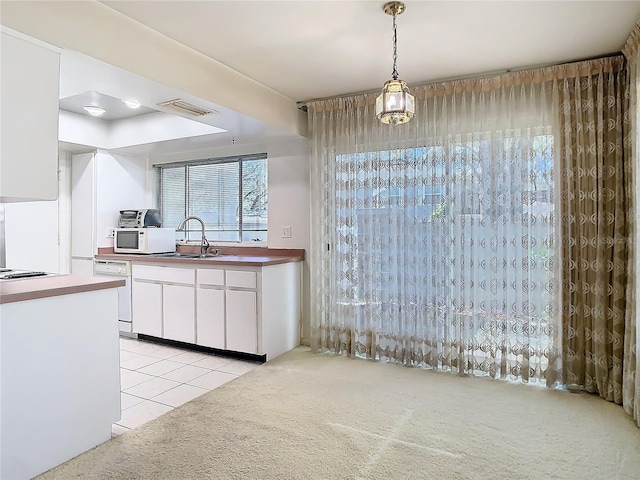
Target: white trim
[{"x": 29, "y": 39}]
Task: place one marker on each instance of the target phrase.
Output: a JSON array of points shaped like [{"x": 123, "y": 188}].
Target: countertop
[
  {"x": 24, "y": 289},
  {"x": 238, "y": 256}
]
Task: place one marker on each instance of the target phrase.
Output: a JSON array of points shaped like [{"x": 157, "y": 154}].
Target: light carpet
[{"x": 306, "y": 416}]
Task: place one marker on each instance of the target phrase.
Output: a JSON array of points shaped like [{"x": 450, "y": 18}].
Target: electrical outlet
[
  {"x": 286, "y": 232},
  {"x": 111, "y": 232}
]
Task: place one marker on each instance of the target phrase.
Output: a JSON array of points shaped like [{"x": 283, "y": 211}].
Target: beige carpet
[{"x": 305, "y": 416}]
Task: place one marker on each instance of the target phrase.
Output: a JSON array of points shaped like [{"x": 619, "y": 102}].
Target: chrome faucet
[{"x": 204, "y": 243}]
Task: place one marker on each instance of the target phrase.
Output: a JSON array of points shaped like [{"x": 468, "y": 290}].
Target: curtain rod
[{"x": 303, "y": 104}]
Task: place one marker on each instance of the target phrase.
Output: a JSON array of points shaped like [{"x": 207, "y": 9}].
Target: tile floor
[{"x": 157, "y": 378}]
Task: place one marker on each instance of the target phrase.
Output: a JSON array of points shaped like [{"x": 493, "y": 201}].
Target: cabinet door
[
  {"x": 146, "y": 303},
  {"x": 210, "y": 318},
  {"x": 82, "y": 267},
  {"x": 178, "y": 313},
  {"x": 82, "y": 201},
  {"x": 29, "y": 92},
  {"x": 242, "y": 321}
]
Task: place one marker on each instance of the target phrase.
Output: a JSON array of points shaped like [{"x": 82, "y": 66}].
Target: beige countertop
[
  {"x": 23, "y": 289},
  {"x": 238, "y": 256}
]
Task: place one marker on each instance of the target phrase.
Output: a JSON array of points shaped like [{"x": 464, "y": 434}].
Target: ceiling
[
  {"x": 115, "y": 108},
  {"x": 316, "y": 49}
]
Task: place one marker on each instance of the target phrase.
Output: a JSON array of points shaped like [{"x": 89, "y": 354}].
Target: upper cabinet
[{"x": 29, "y": 89}]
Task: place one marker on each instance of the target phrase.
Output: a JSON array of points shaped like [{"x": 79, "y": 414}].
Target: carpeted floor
[{"x": 305, "y": 416}]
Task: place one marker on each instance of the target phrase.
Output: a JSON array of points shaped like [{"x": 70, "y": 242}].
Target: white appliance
[
  {"x": 122, "y": 269},
  {"x": 13, "y": 274},
  {"x": 140, "y": 218},
  {"x": 144, "y": 240}
]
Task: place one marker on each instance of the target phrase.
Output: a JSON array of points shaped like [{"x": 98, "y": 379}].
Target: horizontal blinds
[
  {"x": 214, "y": 195},
  {"x": 229, "y": 194},
  {"x": 172, "y": 196}
]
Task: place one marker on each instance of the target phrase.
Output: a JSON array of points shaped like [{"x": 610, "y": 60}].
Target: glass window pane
[
  {"x": 212, "y": 192},
  {"x": 254, "y": 196}
]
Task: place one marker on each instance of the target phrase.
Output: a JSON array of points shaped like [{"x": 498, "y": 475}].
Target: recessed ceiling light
[
  {"x": 95, "y": 111},
  {"x": 132, "y": 103}
]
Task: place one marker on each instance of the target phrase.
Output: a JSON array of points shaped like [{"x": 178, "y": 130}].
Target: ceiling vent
[{"x": 186, "y": 107}]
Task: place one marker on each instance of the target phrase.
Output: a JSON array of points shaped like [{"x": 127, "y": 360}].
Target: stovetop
[{"x": 13, "y": 274}]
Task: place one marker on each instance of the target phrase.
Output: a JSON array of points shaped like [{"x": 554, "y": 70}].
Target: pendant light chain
[
  {"x": 395, "y": 105},
  {"x": 394, "y": 74}
]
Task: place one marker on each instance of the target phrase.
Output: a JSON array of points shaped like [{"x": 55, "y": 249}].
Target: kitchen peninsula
[{"x": 59, "y": 366}]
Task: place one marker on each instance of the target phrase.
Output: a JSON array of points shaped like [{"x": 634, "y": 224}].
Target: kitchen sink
[{"x": 185, "y": 255}]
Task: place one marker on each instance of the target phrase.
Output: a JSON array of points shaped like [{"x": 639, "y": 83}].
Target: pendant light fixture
[{"x": 395, "y": 105}]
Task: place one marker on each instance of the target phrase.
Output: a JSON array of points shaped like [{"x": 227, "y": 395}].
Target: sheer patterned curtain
[
  {"x": 631, "y": 365},
  {"x": 435, "y": 240},
  {"x": 436, "y": 243}
]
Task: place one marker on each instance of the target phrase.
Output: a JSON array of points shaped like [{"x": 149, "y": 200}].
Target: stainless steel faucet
[{"x": 204, "y": 243}]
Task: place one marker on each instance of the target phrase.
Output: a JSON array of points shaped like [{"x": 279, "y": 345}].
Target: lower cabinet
[
  {"x": 178, "y": 312},
  {"x": 163, "y": 302},
  {"x": 146, "y": 308},
  {"x": 253, "y": 310},
  {"x": 242, "y": 321},
  {"x": 210, "y": 316}
]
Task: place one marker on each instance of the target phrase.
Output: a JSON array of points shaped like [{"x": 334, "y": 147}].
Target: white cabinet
[
  {"x": 146, "y": 303},
  {"x": 163, "y": 302},
  {"x": 178, "y": 312},
  {"x": 210, "y": 315},
  {"x": 29, "y": 90},
  {"x": 242, "y": 321},
  {"x": 82, "y": 206},
  {"x": 253, "y": 310}
]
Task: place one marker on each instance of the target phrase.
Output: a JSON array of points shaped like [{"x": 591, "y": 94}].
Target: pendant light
[{"x": 395, "y": 105}]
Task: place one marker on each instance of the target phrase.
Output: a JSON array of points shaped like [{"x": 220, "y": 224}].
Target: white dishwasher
[{"x": 121, "y": 269}]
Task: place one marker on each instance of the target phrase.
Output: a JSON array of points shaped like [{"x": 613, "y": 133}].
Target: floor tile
[
  {"x": 156, "y": 378},
  {"x": 238, "y": 367},
  {"x": 142, "y": 413},
  {"x": 179, "y": 395},
  {"x": 189, "y": 357},
  {"x": 186, "y": 373},
  {"x": 212, "y": 380},
  {"x": 128, "y": 342},
  {"x": 138, "y": 361},
  {"x": 151, "y": 388},
  {"x": 160, "y": 368},
  {"x": 142, "y": 347},
  {"x": 126, "y": 355},
  {"x": 117, "y": 430},
  {"x": 127, "y": 400},
  {"x": 129, "y": 378},
  {"x": 160, "y": 351},
  {"x": 213, "y": 362}
]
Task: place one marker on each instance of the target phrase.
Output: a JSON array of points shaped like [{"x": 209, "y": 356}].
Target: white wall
[{"x": 289, "y": 197}]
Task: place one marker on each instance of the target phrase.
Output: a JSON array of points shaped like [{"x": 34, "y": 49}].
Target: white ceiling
[{"x": 315, "y": 49}]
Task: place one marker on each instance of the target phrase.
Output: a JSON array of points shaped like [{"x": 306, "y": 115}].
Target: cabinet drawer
[
  {"x": 209, "y": 276},
  {"x": 164, "y": 274},
  {"x": 241, "y": 279}
]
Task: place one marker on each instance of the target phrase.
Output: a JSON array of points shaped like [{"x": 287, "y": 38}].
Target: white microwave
[{"x": 144, "y": 240}]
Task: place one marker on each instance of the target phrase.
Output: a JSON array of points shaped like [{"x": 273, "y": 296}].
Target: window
[{"x": 228, "y": 194}]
